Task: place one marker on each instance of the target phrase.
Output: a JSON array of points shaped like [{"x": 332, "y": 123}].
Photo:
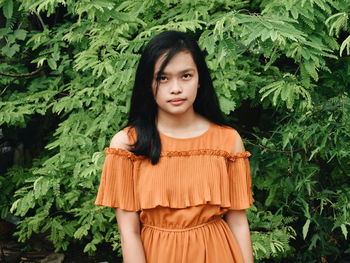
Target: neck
[{"x": 172, "y": 122}]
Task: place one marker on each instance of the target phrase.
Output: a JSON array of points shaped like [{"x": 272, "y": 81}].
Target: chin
[
  {"x": 173, "y": 111},
  {"x": 179, "y": 111}
]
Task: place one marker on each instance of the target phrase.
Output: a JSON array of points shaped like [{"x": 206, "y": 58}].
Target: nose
[{"x": 175, "y": 87}]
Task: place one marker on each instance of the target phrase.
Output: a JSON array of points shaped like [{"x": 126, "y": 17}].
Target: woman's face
[{"x": 177, "y": 88}]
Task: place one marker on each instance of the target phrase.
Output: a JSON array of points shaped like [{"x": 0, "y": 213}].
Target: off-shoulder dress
[{"x": 182, "y": 198}]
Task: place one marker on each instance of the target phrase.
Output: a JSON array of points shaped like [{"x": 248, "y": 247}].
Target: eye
[
  {"x": 162, "y": 78},
  {"x": 187, "y": 76}
]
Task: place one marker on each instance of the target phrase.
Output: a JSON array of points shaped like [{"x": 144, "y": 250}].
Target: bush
[{"x": 281, "y": 73}]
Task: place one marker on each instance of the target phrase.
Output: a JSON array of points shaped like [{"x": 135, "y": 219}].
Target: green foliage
[
  {"x": 272, "y": 234},
  {"x": 8, "y": 184},
  {"x": 75, "y": 60},
  {"x": 286, "y": 90}
]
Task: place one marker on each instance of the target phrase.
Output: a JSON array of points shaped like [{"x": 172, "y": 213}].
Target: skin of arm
[
  {"x": 238, "y": 222},
  {"x": 128, "y": 221},
  {"x": 129, "y": 229}
]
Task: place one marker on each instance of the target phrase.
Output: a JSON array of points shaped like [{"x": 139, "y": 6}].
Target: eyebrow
[{"x": 181, "y": 72}]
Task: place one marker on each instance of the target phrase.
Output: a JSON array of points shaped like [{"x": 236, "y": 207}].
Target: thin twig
[
  {"x": 41, "y": 20},
  {"x": 22, "y": 75},
  {"x": 272, "y": 150},
  {"x": 3, "y": 91},
  {"x": 296, "y": 71}
]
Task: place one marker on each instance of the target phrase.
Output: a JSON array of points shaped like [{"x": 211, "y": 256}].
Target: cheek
[
  {"x": 194, "y": 88},
  {"x": 194, "y": 94},
  {"x": 159, "y": 95}
]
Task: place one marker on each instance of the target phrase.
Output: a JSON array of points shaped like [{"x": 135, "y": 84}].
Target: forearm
[
  {"x": 242, "y": 235},
  {"x": 130, "y": 229},
  {"x": 238, "y": 223},
  {"x": 132, "y": 248}
]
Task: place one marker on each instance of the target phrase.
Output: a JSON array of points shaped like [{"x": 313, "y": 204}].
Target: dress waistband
[{"x": 215, "y": 219}]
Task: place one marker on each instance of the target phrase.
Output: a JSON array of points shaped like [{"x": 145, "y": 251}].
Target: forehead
[{"x": 179, "y": 62}]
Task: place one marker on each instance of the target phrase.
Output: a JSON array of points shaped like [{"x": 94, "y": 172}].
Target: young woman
[{"x": 177, "y": 175}]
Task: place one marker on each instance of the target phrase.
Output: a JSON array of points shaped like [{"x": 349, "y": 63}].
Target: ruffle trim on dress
[
  {"x": 122, "y": 152},
  {"x": 213, "y": 152}
]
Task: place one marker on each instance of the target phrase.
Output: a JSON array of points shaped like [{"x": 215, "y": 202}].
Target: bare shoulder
[
  {"x": 237, "y": 145},
  {"x": 120, "y": 140}
]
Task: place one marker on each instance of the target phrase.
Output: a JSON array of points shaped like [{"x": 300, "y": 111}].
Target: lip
[{"x": 176, "y": 101}]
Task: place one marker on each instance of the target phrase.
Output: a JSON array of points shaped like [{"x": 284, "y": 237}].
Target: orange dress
[{"x": 183, "y": 197}]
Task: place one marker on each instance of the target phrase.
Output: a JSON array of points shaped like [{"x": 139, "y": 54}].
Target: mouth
[{"x": 176, "y": 102}]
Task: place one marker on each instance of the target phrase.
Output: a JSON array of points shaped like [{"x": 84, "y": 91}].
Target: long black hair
[{"x": 143, "y": 108}]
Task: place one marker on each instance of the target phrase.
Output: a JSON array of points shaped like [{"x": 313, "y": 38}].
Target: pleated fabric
[{"x": 183, "y": 197}]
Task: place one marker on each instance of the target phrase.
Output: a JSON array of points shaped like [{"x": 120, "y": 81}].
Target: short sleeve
[
  {"x": 117, "y": 185},
  {"x": 240, "y": 181}
]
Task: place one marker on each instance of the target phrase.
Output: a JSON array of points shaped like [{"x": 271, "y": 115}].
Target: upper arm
[
  {"x": 128, "y": 221},
  {"x": 238, "y": 145},
  {"x": 236, "y": 217},
  {"x": 240, "y": 183}
]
